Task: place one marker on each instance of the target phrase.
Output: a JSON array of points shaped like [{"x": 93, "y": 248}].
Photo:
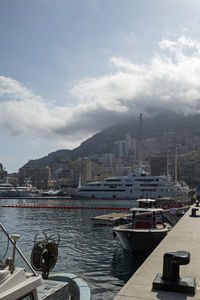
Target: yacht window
[
  {"x": 147, "y": 190},
  {"x": 114, "y": 179},
  {"x": 150, "y": 184},
  {"x": 142, "y": 179},
  {"x": 101, "y": 190},
  {"x": 112, "y": 185}
]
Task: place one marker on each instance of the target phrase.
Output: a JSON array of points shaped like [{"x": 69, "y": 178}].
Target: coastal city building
[
  {"x": 124, "y": 147},
  {"x": 80, "y": 171},
  {"x": 3, "y": 172},
  {"x": 190, "y": 172},
  {"x": 172, "y": 155},
  {"x": 39, "y": 177}
]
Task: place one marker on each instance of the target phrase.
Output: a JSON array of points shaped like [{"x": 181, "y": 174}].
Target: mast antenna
[
  {"x": 139, "y": 144},
  {"x": 176, "y": 166}
]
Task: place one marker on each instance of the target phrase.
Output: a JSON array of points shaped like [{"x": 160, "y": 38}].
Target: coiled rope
[{"x": 45, "y": 253}]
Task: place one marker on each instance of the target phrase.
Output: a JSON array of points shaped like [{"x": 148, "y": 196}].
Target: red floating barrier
[{"x": 64, "y": 207}]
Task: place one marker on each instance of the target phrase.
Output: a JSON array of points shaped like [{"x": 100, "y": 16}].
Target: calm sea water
[{"x": 85, "y": 249}]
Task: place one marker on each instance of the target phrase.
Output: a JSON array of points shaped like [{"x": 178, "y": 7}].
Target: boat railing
[{"x": 13, "y": 239}]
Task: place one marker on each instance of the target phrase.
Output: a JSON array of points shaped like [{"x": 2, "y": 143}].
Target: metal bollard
[
  {"x": 171, "y": 263},
  {"x": 194, "y": 210},
  {"x": 170, "y": 279}
]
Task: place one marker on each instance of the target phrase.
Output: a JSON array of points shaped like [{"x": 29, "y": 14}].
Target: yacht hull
[
  {"x": 133, "y": 186},
  {"x": 111, "y": 195}
]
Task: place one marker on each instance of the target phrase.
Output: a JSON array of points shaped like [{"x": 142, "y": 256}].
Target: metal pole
[
  {"x": 140, "y": 146},
  {"x": 176, "y": 167},
  {"x": 18, "y": 250}
]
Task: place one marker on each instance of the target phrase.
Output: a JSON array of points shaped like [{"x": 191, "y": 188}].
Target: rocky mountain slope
[{"x": 104, "y": 141}]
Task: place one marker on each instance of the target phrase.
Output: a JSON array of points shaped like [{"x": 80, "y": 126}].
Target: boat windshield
[{"x": 147, "y": 219}]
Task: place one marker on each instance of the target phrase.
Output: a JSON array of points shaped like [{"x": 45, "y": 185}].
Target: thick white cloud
[{"x": 169, "y": 81}]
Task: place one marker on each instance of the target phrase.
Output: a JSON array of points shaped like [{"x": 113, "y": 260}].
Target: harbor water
[{"x": 85, "y": 249}]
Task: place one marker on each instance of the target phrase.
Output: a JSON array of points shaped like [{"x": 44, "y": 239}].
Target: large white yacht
[{"x": 132, "y": 186}]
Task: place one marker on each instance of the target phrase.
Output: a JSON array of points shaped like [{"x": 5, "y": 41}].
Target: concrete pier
[{"x": 185, "y": 236}]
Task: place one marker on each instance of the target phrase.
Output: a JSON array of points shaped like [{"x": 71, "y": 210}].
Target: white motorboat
[
  {"x": 51, "y": 193},
  {"x": 145, "y": 231},
  {"x": 165, "y": 203},
  {"x": 17, "y": 284},
  {"x": 8, "y": 190}
]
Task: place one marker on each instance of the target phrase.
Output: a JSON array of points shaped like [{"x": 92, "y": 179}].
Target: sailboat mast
[
  {"x": 139, "y": 145},
  {"x": 79, "y": 181},
  {"x": 176, "y": 166},
  {"x": 167, "y": 158}
]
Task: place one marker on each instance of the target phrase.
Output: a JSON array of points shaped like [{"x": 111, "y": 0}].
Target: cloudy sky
[{"x": 69, "y": 68}]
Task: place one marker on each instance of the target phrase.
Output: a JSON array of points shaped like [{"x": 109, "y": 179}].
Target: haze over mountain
[{"x": 103, "y": 141}]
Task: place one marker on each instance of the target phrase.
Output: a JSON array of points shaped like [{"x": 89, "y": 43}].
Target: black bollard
[
  {"x": 171, "y": 263},
  {"x": 194, "y": 210},
  {"x": 170, "y": 279}
]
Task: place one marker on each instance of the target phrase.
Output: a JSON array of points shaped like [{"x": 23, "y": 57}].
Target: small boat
[
  {"x": 145, "y": 230},
  {"x": 18, "y": 284},
  {"x": 165, "y": 203},
  {"x": 8, "y": 190},
  {"x": 173, "y": 208},
  {"x": 146, "y": 203},
  {"x": 51, "y": 193}
]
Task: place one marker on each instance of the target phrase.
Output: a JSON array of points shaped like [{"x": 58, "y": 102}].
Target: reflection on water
[
  {"x": 124, "y": 264},
  {"x": 86, "y": 250}
]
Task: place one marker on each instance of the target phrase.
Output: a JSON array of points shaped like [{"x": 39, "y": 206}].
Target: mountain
[{"x": 103, "y": 141}]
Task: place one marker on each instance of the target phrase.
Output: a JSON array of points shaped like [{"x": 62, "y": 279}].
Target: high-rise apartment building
[
  {"x": 80, "y": 171},
  {"x": 108, "y": 159},
  {"x": 124, "y": 147}
]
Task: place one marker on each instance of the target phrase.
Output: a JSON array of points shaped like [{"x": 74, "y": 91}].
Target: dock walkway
[
  {"x": 110, "y": 219},
  {"x": 185, "y": 236}
]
